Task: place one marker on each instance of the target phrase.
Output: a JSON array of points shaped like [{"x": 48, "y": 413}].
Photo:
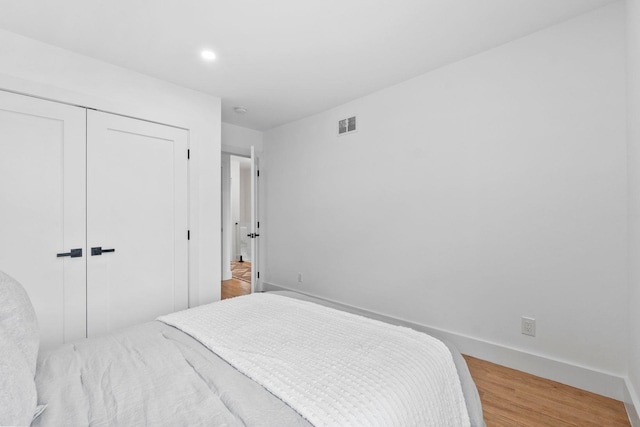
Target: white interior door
[
  {"x": 255, "y": 223},
  {"x": 42, "y": 213},
  {"x": 137, "y": 214}
]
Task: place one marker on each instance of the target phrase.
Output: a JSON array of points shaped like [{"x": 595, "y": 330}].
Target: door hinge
[
  {"x": 188, "y": 234},
  {"x": 258, "y": 274},
  {"x": 258, "y": 224},
  {"x": 188, "y": 154},
  {"x": 258, "y": 172}
]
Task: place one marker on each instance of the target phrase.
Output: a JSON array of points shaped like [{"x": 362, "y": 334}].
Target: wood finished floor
[
  {"x": 234, "y": 288},
  {"x": 512, "y": 398},
  {"x": 241, "y": 270},
  {"x": 240, "y": 283}
]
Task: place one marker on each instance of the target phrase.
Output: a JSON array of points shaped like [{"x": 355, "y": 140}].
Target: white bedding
[
  {"x": 332, "y": 367},
  {"x": 151, "y": 375}
]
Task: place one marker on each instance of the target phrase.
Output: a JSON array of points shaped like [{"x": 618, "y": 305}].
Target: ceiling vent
[{"x": 347, "y": 125}]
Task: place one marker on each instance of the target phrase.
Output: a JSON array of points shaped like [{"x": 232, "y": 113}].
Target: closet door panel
[
  {"x": 137, "y": 206},
  {"x": 42, "y": 213}
]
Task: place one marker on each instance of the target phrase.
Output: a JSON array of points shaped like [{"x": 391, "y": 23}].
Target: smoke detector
[{"x": 240, "y": 110}]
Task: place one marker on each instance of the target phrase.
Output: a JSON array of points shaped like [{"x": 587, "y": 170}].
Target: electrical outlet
[
  {"x": 299, "y": 277},
  {"x": 529, "y": 326}
]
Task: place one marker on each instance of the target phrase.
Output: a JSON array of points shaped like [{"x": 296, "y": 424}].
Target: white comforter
[{"x": 332, "y": 367}]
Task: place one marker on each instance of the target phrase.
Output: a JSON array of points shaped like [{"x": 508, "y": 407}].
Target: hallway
[{"x": 240, "y": 284}]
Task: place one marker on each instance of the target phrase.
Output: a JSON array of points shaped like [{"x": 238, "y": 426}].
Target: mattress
[
  {"x": 469, "y": 389},
  {"x": 153, "y": 374}
]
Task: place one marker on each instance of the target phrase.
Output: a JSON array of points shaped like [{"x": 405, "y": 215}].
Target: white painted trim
[
  {"x": 633, "y": 415},
  {"x": 631, "y": 403},
  {"x": 603, "y": 383},
  {"x": 236, "y": 151},
  {"x": 253, "y": 187},
  {"x": 225, "y": 208}
]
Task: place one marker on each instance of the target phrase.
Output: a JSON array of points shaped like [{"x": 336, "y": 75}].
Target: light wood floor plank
[
  {"x": 512, "y": 398},
  {"x": 234, "y": 288}
]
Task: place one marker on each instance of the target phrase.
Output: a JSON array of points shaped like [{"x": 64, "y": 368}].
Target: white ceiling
[{"x": 283, "y": 59}]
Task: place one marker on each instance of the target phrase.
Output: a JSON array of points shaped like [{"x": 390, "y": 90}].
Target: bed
[{"x": 156, "y": 374}]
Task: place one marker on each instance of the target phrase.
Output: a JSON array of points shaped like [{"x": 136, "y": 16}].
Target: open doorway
[{"x": 236, "y": 231}]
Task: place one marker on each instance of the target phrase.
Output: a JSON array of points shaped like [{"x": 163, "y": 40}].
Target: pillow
[
  {"x": 18, "y": 395},
  {"x": 19, "y": 319}
]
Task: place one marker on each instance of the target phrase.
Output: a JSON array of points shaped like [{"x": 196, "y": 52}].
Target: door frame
[{"x": 226, "y": 226}]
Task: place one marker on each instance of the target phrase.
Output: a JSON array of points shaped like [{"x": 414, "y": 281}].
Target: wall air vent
[{"x": 347, "y": 125}]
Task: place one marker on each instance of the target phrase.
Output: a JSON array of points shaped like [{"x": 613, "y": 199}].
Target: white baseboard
[
  {"x": 633, "y": 414},
  {"x": 632, "y": 403},
  {"x": 226, "y": 275},
  {"x": 602, "y": 383}
]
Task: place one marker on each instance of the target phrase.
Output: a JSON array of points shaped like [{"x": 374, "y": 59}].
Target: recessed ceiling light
[
  {"x": 240, "y": 110},
  {"x": 208, "y": 55}
]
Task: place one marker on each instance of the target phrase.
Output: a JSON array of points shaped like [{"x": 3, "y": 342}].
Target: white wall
[
  {"x": 633, "y": 129},
  {"x": 472, "y": 195},
  {"x": 238, "y": 140},
  {"x": 32, "y": 67},
  {"x": 227, "y": 224},
  {"x": 245, "y": 191},
  {"x": 235, "y": 206}
]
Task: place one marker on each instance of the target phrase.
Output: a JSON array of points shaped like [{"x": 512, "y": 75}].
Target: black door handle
[
  {"x": 99, "y": 251},
  {"x": 74, "y": 253}
]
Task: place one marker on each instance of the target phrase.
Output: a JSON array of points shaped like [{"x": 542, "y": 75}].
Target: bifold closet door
[
  {"x": 42, "y": 210},
  {"x": 137, "y": 265}
]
